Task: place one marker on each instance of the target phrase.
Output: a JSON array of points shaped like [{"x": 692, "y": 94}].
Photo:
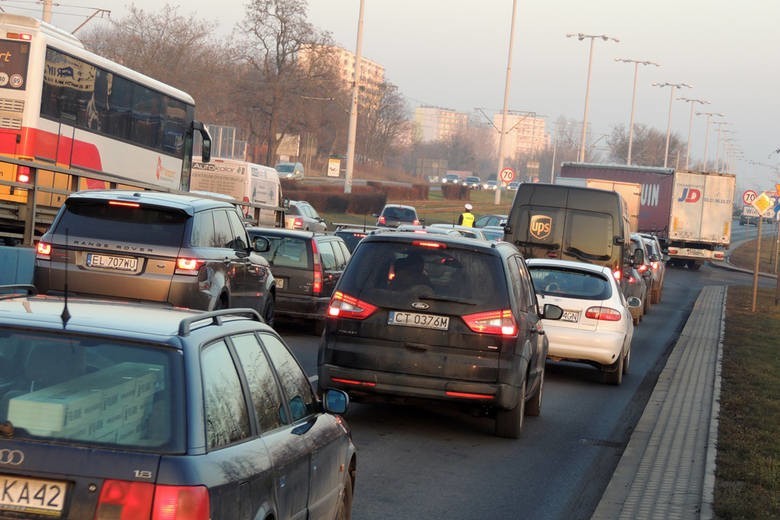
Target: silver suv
[{"x": 181, "y": 250}]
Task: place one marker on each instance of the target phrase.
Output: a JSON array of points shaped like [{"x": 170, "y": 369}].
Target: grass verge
[{"x": 747, "y": 483}]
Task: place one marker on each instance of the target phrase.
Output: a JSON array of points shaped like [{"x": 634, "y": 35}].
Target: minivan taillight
[
  {"x": 43, "y": 251},
  {"x": 316, "y": 288},
  {"x": 501, "y": 323},
  {"x": 297, "y": 223},
  {"x": 603, "y": 313},
  {"x": 123, "y": 500},
  {"x": 345, "y": 306}
]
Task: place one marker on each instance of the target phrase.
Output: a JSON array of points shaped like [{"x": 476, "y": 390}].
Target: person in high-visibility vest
[{"x": 467, "y": 217}]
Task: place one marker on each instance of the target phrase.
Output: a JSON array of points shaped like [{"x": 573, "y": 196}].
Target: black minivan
[
  {"x": 571, "y": 223},
  {"x": 438, "y": 318}
]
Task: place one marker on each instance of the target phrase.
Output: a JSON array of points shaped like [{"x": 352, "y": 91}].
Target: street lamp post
[
  {"x": 501, "y": 137},
  {"x": 707, "y": 132},
  {"x": 718, "y": 141},
  {"x": 674, "y": 86},
  {"x": 690, "y": 125},
  {"x": 636, "y": 63},
  {"x": 352, "y": 132},
  {"x": 581, "y": 36}
]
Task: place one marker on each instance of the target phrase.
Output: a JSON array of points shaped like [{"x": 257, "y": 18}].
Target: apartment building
[
  {"x": 436, "y": 123},
  {"x": 372, "y": 75},
  {"x": 525, "y": 134}
]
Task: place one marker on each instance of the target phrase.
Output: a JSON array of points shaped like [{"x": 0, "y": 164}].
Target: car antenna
[{"x": 65, "y": 316}]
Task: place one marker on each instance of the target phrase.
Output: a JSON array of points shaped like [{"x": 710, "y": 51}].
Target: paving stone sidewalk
[{"x": 667, "y": 470}]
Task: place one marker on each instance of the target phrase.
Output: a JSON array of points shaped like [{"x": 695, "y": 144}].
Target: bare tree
[
  {"x": 647, "y": 148},
  {"x": 384, "y": 122}
]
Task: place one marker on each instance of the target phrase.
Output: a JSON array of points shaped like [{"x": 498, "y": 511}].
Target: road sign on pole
[
  {"x": 749, "y": 196},
  {"x": 507, "y": 175}
]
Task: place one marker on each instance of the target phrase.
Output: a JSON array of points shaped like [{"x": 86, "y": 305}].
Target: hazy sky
[{"x": 453, "y": 54}]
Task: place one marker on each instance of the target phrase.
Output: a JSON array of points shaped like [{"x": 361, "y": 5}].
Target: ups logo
[{"x": 540, "y": 227}]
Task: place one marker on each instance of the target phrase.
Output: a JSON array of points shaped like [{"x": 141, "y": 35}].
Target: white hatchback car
[{"x": 596, "y": 326}]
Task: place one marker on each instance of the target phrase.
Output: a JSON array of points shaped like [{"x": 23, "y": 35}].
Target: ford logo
[
  {"x": 420, "y": 306},
  {"x": 11, "y": 457}
]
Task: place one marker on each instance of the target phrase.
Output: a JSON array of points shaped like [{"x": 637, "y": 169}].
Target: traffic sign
[
  {"x": 749, "y": 196},
  {"x": 762, "y": 203},
  {"x": 507, "y": 175}
]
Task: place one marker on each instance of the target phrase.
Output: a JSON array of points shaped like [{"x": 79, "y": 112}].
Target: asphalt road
[{"x": 433, "y": 462}]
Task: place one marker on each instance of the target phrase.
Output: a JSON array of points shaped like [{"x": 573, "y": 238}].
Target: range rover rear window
[{"x": 138, "y": 224}]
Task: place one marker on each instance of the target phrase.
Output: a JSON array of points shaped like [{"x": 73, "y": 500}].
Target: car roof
[
  {"x": 400, "y": 206},
  {"x": 174, "y": 200},
  {"x": 281, "y": 232},
  {"x": 447, "y": 239},
  {"x": 161, "y": 323},
  {"x": 567, "y": 264}
]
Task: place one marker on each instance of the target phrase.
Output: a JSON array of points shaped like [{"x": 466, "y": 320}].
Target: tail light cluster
[
  {"x": 500, "y": 323},
  {"x": 188, "y": 266},
  {"x": 123, "y": 500},
  {"x": 618, "y": 274},
  {"x": 43, "y": 251},
  {"x": 718, "y": 255},
  {"x": 297, "y": 223},
  {"x": 316, "y": 287},
  {"x": 603, "y": 314},
  {"x": 345, "y": 306},
  {"x": 23, "y": 174},
  {"x": 642, "y": 268}
]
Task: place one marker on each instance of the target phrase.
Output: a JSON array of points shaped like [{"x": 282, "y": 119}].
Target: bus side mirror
[{"x": 205, "y": 151}]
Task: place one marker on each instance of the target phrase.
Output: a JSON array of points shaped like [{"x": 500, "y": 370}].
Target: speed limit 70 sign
[
  {"x": 507, "y": 175},
  {"x": 749, "y": 196}
]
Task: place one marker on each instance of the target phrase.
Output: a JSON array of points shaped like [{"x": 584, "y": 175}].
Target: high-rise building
[
  {"x": 525, "y": 134},
  {"x": 436, "y": 123},
  {"x": 372, "y": 75}
]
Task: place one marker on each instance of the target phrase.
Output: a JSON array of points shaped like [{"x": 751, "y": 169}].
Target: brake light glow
[
  {"x": 353, "y": 382},
  {"x": 501, "y": 323},
  {"x": 189, "y": 266},
  {"x": 18, "y": 36},
  {"x": 43, "y": 251},
  {"x": 617, "y": 274},
  {"x": 642, "y": 268},
  {"x": 673, "y": 250},
  {"x": 654, "y": 265},
  {"x": 468, "y": 395},
  {"x": 123, "y": 204},
  {"x": 23, "y": 174},
  {"x": 718, "y": 255},
  {"x": 603, "y": 314},
  {"x": 122, "y": 500},
  {"x": 345, "y": 306},
  {"x": 316, "y": 288},
  {"x": 297, "y": 223},
  {"x": 429, "y": 244}
]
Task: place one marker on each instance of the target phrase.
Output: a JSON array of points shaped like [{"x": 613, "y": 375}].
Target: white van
[{"x": 246, "y": 182}]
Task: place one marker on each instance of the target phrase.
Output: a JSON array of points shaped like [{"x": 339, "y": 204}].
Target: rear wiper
[{"x": 446, "y": 299}]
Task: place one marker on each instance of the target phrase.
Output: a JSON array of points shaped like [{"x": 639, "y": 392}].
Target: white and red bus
[{"x": 63, "y": 105}]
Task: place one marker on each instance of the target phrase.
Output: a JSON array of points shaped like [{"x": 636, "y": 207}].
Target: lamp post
[
  {"x": 690, "y": 125},
  {"x": 581, "y": 36},
  {"x": 636, "y": 63},
  {"x": 354, "y": 106},
  {"x": 673, "y": 87},
  {"x": 497, "y": 199},
  {"x": 707, "y": 132},
  {"x": 719, "y": 141}
]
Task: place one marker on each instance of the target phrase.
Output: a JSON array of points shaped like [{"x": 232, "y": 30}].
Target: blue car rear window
[{"x": 91, "y": 391}]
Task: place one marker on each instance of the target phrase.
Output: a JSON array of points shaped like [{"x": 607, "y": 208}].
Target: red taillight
[
  {"x": 23, "y": 174},
  {"x": 122, "y": 500},
  {"x": 43, "y": 251},
  {"x": 469, "y": 395},
  {"x": 654, "y": 265},
  {"x": 642, "y": 268},
  {"x": 316, "y": 288},
  {"x": 673, "y": 251},
  {"x": 603, "y": 313},
  {"x": 501, "y": 323},
  {"x": 429, "y": 244},
  {"x": 345, "y": 306},
  {"x": 381, "y": 221},
  {"x": 188, "y": 266},
  {"x": 123, "y": 204},
  {"x": 718, "y": 255},
  {"x": 617, "y": 274},
  {"x": 181, "y": 503},
  {"x": 353, "y": 382}
]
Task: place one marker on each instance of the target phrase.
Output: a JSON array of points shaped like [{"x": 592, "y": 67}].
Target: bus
[{"x": 65, "y": 106}]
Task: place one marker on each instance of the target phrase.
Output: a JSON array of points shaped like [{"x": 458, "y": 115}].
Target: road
[{"x": 433, "y": 462}]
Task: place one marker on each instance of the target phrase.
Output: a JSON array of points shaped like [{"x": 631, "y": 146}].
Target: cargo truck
[{"x": 690, "y": 212}]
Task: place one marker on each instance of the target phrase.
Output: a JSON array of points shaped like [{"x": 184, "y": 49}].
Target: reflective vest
[{"x": 467, "y": 219}]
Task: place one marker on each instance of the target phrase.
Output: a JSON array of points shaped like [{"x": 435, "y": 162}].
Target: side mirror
[
  {"x": 552, "y": 312},
  {"x": 335, "y": 401},
  {"x": 205, "y": 151},
  {"x": 507, "y": 229},
  {"x": 618, "y": 241},
  {"x": 261, "y": 244}
]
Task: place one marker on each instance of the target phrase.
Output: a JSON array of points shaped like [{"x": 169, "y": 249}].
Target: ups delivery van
[{"x": 571, "y": 223}]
